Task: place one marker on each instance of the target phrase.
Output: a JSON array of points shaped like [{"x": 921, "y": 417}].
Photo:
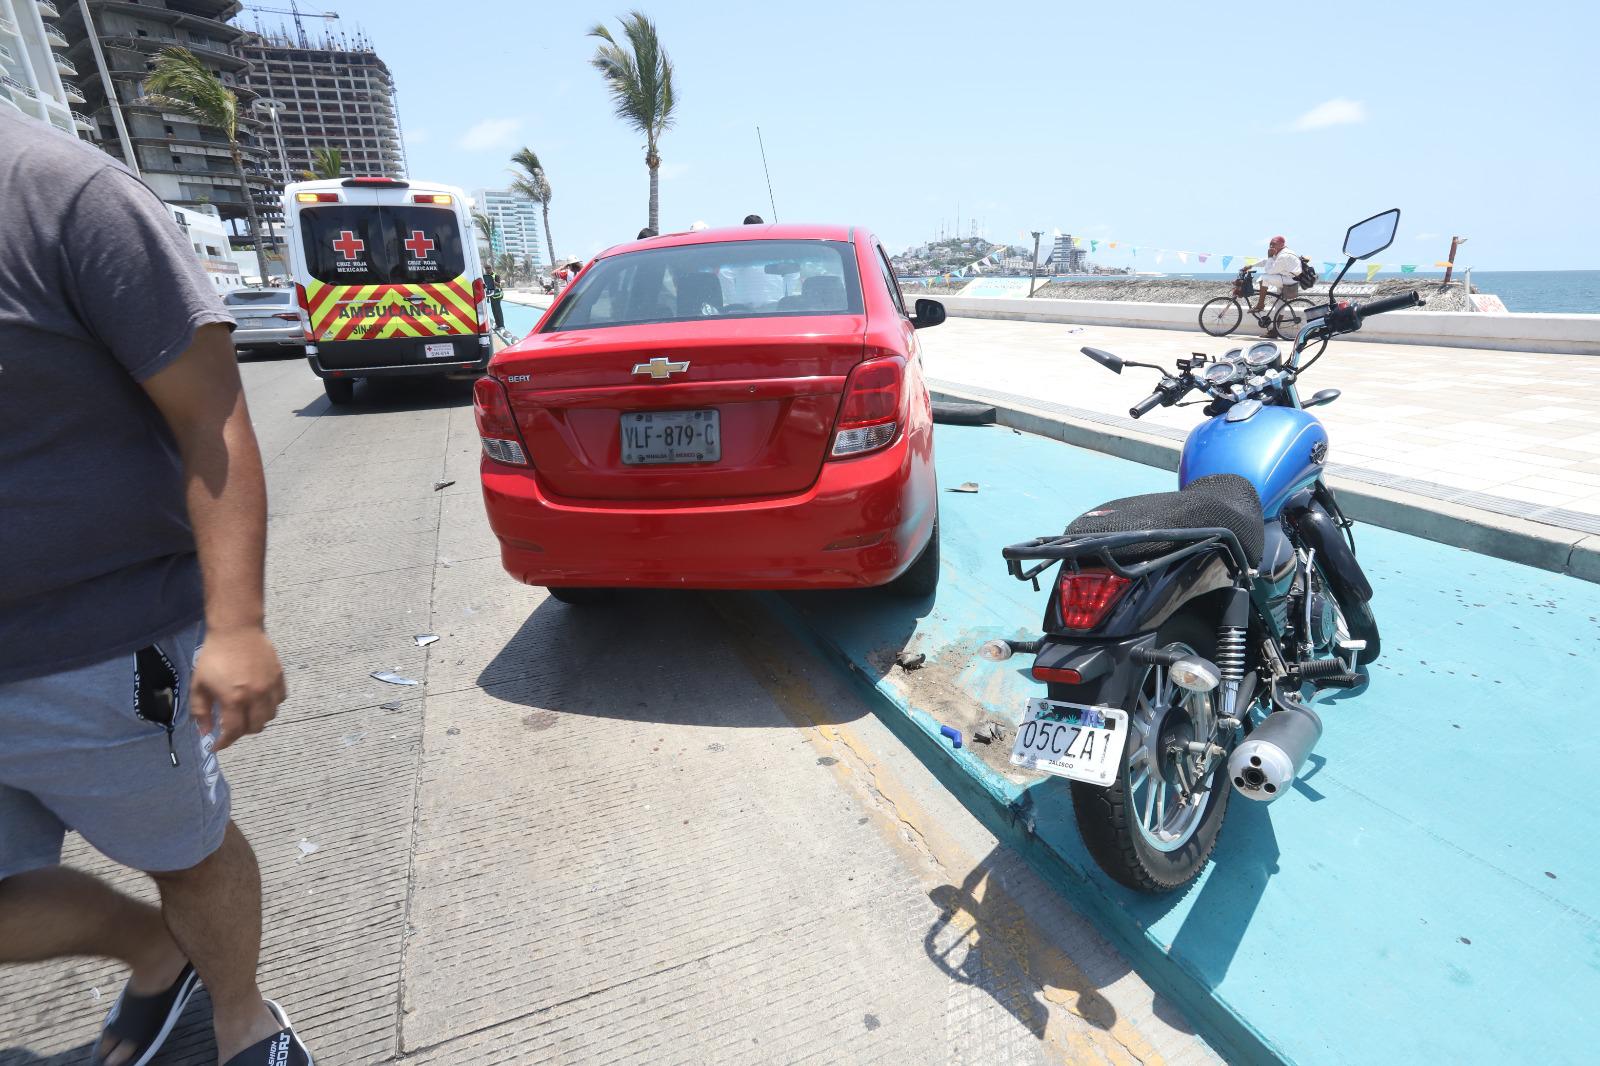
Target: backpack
[{"x": 1308, "y": 274}]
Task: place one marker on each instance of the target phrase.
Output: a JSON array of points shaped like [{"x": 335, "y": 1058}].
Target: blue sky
[{"x": 1202, "y": 127}]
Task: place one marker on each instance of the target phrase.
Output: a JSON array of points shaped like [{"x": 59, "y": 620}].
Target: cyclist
[{"x": 1282, "y": 270}]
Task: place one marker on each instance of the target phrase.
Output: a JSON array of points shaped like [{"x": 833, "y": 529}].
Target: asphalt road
[{"x": 656, "y": 832}]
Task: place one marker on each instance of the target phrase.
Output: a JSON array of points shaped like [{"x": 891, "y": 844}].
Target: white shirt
[{"x": 1284, "y": 266}]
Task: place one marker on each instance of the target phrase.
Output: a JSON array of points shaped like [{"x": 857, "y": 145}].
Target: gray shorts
[{"x": 89, "y": 749}]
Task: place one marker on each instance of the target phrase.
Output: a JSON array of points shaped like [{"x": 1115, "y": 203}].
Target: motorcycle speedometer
[
  {"x": 1261, "y": 354},
  {"x": 1219, "y": 373}
]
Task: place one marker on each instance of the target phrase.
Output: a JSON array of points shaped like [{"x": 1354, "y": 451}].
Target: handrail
[{"x": 1101, "y": 546}]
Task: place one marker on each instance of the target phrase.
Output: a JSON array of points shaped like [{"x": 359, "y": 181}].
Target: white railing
[
  {"x": 49, "y": 8},
  {"x": 63, "y": 64},
  {"x": 16, "y": 86},
  {"x": 83, "y": 120}
]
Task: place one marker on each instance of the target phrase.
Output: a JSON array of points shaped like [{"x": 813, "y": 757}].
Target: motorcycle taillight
[{"x": 1087, "y": 596}]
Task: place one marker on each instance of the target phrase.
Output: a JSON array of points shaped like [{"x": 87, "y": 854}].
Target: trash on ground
[
  {"x": 392, "y": 678},
  {"x": 308, "y": 848},
  {"x": 446, "y": 563},
  {"x": 1075, "y": 329},
  {"x": 910, "y": 661},
  {"x": 953, "y": 733},
  {"x": 437, "y": 485},
  {"x": 424, "y": 639},
  {"x": 990, "y": 733},
  {"x": 95, "y": 994},
  {"x": 452, "y": 732},
  {"x": 350, "y": 740},
  {"x": 966, "y": 486},
  {"x": 393, "y": 705}
]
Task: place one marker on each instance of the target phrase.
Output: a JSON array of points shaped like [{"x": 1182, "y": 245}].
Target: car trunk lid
[{"x": 774, "y": 385}]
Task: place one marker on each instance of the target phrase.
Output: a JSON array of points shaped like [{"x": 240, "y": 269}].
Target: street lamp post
[
  {"x": 1033, "y": 275},
  {"x": 273, "y": 108}
]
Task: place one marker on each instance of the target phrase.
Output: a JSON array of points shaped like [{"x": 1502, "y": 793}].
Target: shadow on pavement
[
  {"x": 269, "y": 355},
  {"x": 191, "y": 1042},
  {"x": 652, "y": 642},
  {"x": 395, "y": 394}
]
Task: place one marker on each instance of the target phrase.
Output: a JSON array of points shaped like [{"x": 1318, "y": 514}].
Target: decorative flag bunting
[
  {"x": 1408, "y": 268},
  {"x": 1250, "y": 260},
  {"x": 1158, "y": 257},
  {"x": 1183, "y": 257},
  {"x": 1373, "y": 268},
  {"x": 1327, "y": 267},
  {"x": 1444, "y": 263},
  {"x": 1226, "y": 260},
  {"x": 1113, "y": 244},
  {"x": 1094, "y": 246},
  {"x": 1204, "y": 256}
]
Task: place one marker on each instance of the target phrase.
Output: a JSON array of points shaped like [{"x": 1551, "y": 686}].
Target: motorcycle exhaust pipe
[{"x": 1266, "y": 764}]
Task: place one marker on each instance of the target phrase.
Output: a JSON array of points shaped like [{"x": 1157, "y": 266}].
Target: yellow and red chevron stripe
[{"x": 374, "y": 312}]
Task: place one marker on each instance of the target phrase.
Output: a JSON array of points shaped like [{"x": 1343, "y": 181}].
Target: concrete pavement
[{"x": 658, "y": 832}]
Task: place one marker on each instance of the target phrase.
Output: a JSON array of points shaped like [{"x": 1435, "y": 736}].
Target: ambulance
[{"x": 388, "y": 279}]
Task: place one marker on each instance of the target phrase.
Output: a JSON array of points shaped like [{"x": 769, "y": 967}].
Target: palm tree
[
  {"x": 640, "y": 79},
  {"x": 326, "y": 163},
  {"x": 181, "y": 82},
  {"x": 535, "y": 185},
  {"x": 486, "y": 228}
]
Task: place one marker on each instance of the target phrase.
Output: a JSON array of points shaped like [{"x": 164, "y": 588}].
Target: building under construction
[{"x": 329, "y": 92}]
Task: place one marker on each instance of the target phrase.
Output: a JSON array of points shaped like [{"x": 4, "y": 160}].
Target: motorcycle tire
[{"x": 1109, "y": 819}]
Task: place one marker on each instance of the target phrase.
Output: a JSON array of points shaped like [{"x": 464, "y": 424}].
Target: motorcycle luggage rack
[{"x": 1076, "y": 547}]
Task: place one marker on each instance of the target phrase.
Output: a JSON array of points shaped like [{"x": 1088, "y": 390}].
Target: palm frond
[
  {"x": 638, "y": 75},
  {"x": 532, "y": 182},
  {"x": 180, "y": 81}
]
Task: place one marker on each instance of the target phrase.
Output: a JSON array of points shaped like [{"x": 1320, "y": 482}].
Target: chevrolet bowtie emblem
[{"x": 661, "y": 369}]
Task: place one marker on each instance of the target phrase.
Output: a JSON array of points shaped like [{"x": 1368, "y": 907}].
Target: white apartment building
[
  {"x": 35, "y": 72},
  {"x": 516, "y": 224},
  {"x": 209, "y": 239}
]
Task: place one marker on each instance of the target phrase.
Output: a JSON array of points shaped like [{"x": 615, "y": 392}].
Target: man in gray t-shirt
[{"x": 132, "y": 530}]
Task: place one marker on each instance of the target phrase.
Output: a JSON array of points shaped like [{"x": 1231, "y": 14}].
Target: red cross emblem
[
  {"x": 419, "y": 244},
  {"x": 349, "y": 245}
]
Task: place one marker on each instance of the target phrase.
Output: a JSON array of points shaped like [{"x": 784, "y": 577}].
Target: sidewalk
[{"x": 1511, "y": 433}]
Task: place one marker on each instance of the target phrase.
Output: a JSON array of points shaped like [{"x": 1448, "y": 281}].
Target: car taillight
[
  {"x": 480, "y": 296},
  {"x": 502, "y": 441},
  {"x": 287, "y": 316},
  {"x": 869, "y": 415},
  {"x": 1087, "y": 596}
]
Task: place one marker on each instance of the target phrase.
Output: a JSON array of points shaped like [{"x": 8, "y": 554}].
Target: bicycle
[{"x": 1221, "y": 316}]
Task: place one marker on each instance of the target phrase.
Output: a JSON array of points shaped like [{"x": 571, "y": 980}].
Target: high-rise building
[
  {"x": 35, "y": 72},
  {"x": 516, "y": 224},
  {"x": 185, "y": 163},
  {"x": 332, "y": 93},
  {"x": 1066, "y": 258}
]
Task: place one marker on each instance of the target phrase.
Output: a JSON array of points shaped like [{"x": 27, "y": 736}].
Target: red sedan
[{"x": 730, "y": 408}]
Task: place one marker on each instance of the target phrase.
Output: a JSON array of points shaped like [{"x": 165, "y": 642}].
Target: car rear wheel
[
  {"x": 921, "y": 579},
  {"x": 576, "y": 597},
  {"x": 340, "y": 390}
]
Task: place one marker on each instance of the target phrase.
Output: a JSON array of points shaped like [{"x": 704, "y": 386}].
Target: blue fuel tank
[{"x": 1279, "y": 450}]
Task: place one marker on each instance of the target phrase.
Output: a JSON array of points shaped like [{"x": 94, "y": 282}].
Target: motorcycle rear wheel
[{"x": 1134, "y": 829}]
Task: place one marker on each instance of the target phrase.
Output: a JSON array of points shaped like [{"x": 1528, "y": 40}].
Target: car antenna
[{"x": 768, "y": 173}]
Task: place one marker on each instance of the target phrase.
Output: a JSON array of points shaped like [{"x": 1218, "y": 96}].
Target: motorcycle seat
[{"x": 1220, "y": 501}]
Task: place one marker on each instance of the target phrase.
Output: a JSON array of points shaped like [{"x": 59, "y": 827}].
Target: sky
[{"x": 1175, "y": 125}]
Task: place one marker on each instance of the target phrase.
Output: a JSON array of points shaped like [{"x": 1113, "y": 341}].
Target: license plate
[
  {"x": 1071, "y": 740},
  {"x": 439, "y": 351},
  {"x": 671, "y": 437}
]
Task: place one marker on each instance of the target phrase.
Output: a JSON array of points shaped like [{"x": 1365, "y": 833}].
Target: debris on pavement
[
  {"x": 953, "y": 733},
  {"x": 438, "y": 485},
  {"x": 391, "y": 678},
  {"x": 910, "y": 661},
  {"x": 95, "y": 994},
  {"x": 452, "y": 732},
  {"x": 966, "y": 486},
  {"x": 990, "y": 733},
  {"x": 393, "y": 705},
  {"x": 350, "y": 740},
  {"x": 308, "y": 848},
  {"x": 424, "y": 639}
]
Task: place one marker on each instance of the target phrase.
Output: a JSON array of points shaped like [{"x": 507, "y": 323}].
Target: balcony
[
  {"x": 63, "y": 64},
  {"x": 17, "y": 88},
  {"x": 72, "y": 92},
  {"x": 54, "y": 35},
  {"x": 48, "y": 9},
  {"x": 5, "y": 53},
  {"x": 82, "y": 121},
  {"x": 156, "y": 41},
  {"x": 7, "y": 26}
]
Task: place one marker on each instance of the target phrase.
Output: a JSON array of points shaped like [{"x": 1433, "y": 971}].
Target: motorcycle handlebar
[
  {"x": 1148, "y": 404},
  {"x": 1392, "y": 303}
]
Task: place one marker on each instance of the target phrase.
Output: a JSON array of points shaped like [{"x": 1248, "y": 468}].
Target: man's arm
[{"x": 200, "y": 397}]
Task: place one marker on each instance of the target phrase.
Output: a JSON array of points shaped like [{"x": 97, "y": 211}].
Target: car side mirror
[
  {"x": 928, "y": 313},
  {"x": 1325, "y": 396}
]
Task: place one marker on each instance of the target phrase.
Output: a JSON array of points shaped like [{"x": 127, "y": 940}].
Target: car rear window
[
  {"x": 355, "y": 244},
  {"x": 249, "y": 297},
  {"x": 728, "y": 279}
]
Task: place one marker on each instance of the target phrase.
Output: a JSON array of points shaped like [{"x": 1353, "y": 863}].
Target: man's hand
[{"x": 238, "y": 678}]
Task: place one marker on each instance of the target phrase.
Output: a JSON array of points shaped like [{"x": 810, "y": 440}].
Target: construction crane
[{"x": 294, "y": 10}]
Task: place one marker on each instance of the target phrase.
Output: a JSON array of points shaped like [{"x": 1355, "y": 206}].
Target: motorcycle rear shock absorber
[{"x": 1231, "y": 650}]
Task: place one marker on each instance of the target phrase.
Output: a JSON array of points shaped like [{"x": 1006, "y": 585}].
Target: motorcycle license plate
[{"x": 1072, "y": 741}]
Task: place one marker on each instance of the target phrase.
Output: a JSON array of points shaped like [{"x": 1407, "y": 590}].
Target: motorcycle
[{"x": 1189, "y": 633}]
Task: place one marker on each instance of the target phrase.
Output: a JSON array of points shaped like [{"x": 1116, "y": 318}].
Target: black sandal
[
  {"x": 147, "y": 1021},
  {"x": 282, "y": 1048}
]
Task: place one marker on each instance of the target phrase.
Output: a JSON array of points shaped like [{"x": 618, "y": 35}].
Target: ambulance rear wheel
[{"x": 339, "y": 390}]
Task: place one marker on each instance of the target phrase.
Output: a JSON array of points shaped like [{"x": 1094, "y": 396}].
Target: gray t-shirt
[{"x": 99, "y": 290}]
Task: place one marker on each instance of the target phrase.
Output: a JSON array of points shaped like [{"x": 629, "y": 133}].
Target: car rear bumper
[
  {"x": 860, "y": 525},
  {"x": 398, "y": 357},
  {"x": 286, "y": 336}
]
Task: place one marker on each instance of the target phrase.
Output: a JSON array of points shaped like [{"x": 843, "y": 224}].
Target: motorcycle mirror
[
  {"x": 1106, "y": 359},
  {"x": 1325, "y": 396},
  {"x": 1371, "y": 236}
]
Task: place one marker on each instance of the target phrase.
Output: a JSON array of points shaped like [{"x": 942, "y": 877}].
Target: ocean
[{"x": 1552, "y": 291}]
